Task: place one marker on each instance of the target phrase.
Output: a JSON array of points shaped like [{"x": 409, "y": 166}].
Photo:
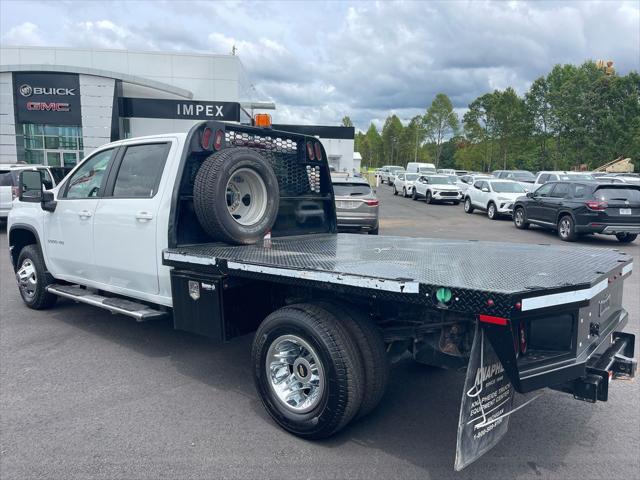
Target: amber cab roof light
[{"x": 262, "y": 120}]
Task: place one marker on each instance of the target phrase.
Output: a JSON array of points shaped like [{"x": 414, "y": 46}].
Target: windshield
[
  {"x": 440, "y": 180},
  {"x": 504, "y": 187},
  {"x": 453, "y": 178},
  {"x": 351, "y": 189},
  {"x": 522, "y": 176},
  {"x": 396, "y": 169},
  {"x": 575, "y": 176},
  {"x": 411, "y": 177}
]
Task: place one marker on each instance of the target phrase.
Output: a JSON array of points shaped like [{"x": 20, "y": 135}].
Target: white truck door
[
  {"x": 68, "y": 231},
  {"x": 126, "y": 219}
]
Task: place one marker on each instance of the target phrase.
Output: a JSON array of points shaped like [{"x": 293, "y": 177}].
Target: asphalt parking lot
[{"x": 87, "y": 394}]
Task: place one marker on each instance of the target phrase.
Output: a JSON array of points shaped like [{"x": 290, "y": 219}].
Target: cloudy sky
[{"x": 320, "y": 61}]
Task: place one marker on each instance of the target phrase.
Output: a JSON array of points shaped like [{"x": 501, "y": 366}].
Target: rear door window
[
  {"x": 140, "y": 171},
  {"x": 561, "y": 190}
]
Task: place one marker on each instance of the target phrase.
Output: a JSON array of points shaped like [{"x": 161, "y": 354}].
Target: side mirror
[
  {"x": 530, "y": 194},
  {"x": 31, "y": 186},
  {"x": 485, "y": 190}
]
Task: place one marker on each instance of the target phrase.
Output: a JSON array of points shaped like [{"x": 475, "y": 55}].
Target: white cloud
[
  {"x": 24, "y": 34},
  {"x": 321, "y": 61}
]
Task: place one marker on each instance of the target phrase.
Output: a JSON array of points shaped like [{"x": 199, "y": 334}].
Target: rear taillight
[
  {"x": 205, "y": 140},
  {"x": 318, "y": 151},
  {"x": 217, "y": 140},
  {"x": 596, "y": 205},
  {"x": 15, "y": 192},
  {"x": 372, "y": 203},
  {"x": 310, "y": 151}
]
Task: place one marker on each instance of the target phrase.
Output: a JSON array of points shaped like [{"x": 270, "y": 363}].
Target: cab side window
[
  {"x": 140, "y": 170},
  {"x": 87, "y": 180}
]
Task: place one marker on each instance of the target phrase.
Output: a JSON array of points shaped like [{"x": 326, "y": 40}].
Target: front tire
[
  {"x": 492, "y": 212},
  {"x": 414, "y": 196},
  {"x": 468, "y": 206},
  {"x": 404, "y": 192},
  {"x": 33, "y": 279},
  {"x": 626, "y": 237},
  {"x": 395, "y": 192},
  {"x": 519, "y": 219},
  {"x": 307, "y": 371},
  {"x": 566, "y": 229},
  {"x": 428, "y": 197}
]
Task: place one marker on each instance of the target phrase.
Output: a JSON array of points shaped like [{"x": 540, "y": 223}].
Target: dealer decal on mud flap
[{"x": 487, "y": 402}]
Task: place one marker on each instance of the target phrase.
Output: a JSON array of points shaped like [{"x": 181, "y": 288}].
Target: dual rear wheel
[{"x": 318, "y": 366}]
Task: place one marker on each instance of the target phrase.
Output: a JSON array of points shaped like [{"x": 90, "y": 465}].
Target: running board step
[{"x": 136, "y": 310}]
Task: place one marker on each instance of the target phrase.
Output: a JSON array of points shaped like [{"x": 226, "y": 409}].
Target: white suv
[
  {"x": 559, "y": 176},
  {"x": 9, "y": 182},
  {"x": 437, "y": 188},
  {"x": 494, "y": 196},
  {"x": 404, "y": 183}
]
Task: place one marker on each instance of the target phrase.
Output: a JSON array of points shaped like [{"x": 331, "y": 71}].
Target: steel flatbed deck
[{"x": 411, "y": 268}]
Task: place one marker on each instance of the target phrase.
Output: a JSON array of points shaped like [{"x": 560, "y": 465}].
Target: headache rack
[{"x": 304, "y": 179}]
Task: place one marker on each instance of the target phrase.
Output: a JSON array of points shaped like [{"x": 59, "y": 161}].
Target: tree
[
  {"x": 391, "y": 132},
  {"x": 346, "y": 121},
  {"x": 440, "y": 122},
  {"x": 374, "y": 142}
]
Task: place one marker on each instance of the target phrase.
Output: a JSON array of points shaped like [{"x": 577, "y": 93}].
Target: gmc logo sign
[{"x": 48, "y": 106}]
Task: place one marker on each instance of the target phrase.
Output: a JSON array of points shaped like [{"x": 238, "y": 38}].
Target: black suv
[{"x": 574, "y": 208}]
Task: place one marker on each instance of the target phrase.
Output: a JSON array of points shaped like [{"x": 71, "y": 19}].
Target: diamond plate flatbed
[{"x": 412, "y": 266}]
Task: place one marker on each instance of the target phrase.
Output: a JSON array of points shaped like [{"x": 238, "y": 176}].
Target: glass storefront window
[{"x": 51, "y": 145}]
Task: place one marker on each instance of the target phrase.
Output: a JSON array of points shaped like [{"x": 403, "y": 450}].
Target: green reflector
[{"x": 443, "y": 295}]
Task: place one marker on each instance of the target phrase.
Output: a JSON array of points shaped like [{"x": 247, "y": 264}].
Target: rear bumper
[
  {"x": 608, "y": 229},
  {"x": 615, "y": 362},
  {"x": 357, "y": 222}
]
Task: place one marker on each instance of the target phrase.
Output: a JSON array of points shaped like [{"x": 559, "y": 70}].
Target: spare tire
[{"x": 236, "y": 196}]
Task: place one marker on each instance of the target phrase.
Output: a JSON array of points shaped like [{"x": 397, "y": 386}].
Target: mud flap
[{"x": 487, "y": 402}]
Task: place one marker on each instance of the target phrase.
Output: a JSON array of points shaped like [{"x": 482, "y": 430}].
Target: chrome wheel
[
  {"x": 519, "y": 217},
  {"x": 295, "y": 373},
  {"x": 564, "y": 228},
  {"x": 491, "y": 212},
  {"x": 246, "y": 196},
  {"x": 27, "y": 279},
  {"x": 467, "y": 205}
]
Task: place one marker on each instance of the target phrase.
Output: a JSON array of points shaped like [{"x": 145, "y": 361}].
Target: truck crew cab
[{"x": 210, "y": 228}]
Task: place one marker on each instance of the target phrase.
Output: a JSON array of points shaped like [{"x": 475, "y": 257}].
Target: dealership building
[{"x": 58, "y": 104}]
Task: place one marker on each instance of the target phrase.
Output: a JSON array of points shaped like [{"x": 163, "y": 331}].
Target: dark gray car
[{"x": 356, "y": 205}]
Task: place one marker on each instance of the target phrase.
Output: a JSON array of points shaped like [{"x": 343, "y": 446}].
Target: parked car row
[{"x": 571, "y": 203}]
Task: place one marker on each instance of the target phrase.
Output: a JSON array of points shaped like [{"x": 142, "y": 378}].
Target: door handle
[
  {"x": 84, "y": 214},
  {"x": 144, "y": 216}
]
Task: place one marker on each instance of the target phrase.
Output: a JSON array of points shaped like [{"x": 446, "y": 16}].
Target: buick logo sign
[{"x": 26, "y": 90}]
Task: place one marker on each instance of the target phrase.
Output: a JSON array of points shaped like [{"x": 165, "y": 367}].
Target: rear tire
[
  {"x": 520, "y": 219},
  {"x": 395, "y": 192},
  {"x": 414, "y": 196},
  {"x": 468, "y": 206},
  {"x": 566, "y": 229},
  {"x": 626, "y": 237},
  {"x": 236, "y": 196},
  {"x": 324, "y": 378},
  {"x": 372, "y": 351},
  {"x": 374, "y": 231},
  {"x": 456, "y": 202},
  {"x": 33, "y": 279}
]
